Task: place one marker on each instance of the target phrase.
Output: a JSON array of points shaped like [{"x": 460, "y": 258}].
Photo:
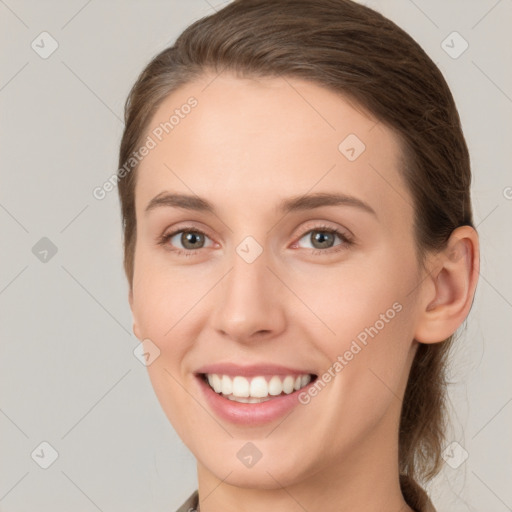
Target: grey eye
[{"x": 320, "y": 238}]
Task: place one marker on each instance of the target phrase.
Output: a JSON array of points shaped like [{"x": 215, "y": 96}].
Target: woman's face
[{"x": 255, "y": 282}]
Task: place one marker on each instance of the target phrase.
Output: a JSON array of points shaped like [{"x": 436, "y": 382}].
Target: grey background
[{"x": 68, "y": 375}]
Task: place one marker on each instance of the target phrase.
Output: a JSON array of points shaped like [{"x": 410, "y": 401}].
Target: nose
[{"x": 250, "y": 301}]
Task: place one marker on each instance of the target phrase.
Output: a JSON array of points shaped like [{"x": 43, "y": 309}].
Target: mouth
[{"x": 257, "y": 389}]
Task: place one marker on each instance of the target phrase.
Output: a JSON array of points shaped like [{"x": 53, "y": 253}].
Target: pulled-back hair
[{"x": 355, "y": 51}]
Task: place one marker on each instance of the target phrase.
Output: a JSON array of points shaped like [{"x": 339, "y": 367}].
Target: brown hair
[{"x": 357, "y": 52}]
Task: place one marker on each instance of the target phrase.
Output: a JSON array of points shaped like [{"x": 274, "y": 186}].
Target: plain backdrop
[{"x": 68, "y": 375}]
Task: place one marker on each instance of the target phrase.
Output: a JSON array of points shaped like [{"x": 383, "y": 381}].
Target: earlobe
[
  {"x": 136, "y": 331},
  {"x": 454, "y": 281}
]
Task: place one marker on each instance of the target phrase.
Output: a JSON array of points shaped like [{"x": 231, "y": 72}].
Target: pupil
[
  {"x": 190, "y": 238},
  {"x": 322, "y": 237}
]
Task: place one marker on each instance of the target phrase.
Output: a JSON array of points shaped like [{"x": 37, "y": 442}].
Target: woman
[{"x": 300, "y": 251}]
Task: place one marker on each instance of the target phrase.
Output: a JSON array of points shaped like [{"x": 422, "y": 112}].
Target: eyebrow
[{"x": 292, "y": 204}]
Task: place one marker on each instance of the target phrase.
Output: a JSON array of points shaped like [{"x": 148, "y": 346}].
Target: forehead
[{"x": 248, "y": 139}]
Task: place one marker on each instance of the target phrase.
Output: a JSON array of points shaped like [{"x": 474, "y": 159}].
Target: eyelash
[{"x": 347, "y": 240}]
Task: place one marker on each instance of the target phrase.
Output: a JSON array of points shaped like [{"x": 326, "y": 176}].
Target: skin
[{"x": 248, "y": 145}]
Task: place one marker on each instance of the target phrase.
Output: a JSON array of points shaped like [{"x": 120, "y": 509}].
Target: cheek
[
  {"x": 367, "y": 315},
  {"x": 162, "y": 307},
  {"x": 162, "y": 298},
  {"x": 354, "y": 297}
]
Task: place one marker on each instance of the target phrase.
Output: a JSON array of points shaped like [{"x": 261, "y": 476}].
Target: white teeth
[
  {"x": 288, "y": 384},
  {"x": 249, "y": 400},
  {"x": 227, "y": 385},
  {"x": 275, "y": 386},
  {"x": 259, "y": 387},
  {"x": 215, "y": 383},
  {"x": 305, "y": 380},
  {"x": 240, "y": 386},
  {"x": 256, "y": 388}
]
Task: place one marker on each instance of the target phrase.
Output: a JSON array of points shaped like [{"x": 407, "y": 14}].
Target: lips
[
  {"x": 256, "y": 394},
  {"x": 250, "y": 411},
  {"x": 254, "y": 370}
]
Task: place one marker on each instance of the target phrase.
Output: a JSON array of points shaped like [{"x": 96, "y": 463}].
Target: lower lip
[{"x": 250, "y": 414}]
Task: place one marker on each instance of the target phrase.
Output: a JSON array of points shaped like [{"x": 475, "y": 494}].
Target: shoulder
[{"x": 190, "y": 505}]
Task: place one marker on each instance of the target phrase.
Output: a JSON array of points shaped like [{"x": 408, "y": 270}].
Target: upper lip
[{"x": 252, "y": 370}]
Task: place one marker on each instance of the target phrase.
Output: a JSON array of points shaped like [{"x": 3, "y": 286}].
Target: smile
[
  {"x": 255, "y": 394},
  {"x": 256, "y": 389}
]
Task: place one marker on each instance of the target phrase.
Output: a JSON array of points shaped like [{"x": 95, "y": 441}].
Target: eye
[
  {"x": 322, "y": 238},
  {"x": 191, "y": 239}
]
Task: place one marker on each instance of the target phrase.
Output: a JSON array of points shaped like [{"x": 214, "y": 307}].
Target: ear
[
  {"x": 135, "y": 326},
  {"x": 450, "y": 287}
]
